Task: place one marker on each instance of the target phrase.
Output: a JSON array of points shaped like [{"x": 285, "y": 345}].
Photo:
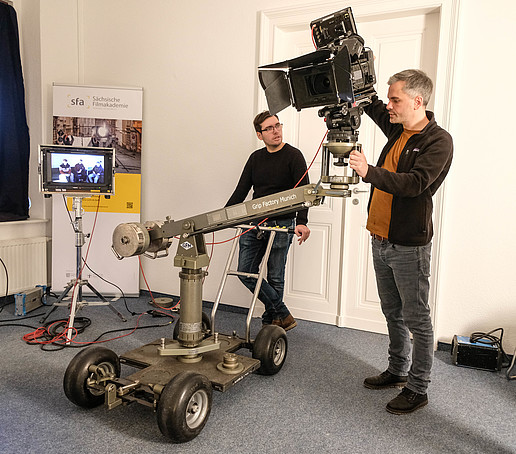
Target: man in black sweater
[
  {"x": 411, "y": 167},
  {"x": 276, "y": 167}
]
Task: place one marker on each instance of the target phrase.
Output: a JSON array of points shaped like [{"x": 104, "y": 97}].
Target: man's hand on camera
[
  {"x": 358, "y": 163},
  {"x": 302, "y": 232}
]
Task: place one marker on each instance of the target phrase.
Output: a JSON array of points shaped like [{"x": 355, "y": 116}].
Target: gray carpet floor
[{"x": 315, "y": 404}]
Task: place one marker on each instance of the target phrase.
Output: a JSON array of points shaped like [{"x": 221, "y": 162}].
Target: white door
[
  {"x": 312, "y": 275},
  {"x": 398, "y": 44},
  {"x": 330, "y": 278}
]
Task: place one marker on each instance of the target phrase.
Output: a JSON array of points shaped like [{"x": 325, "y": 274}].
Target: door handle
[{"x": 358, "y": 191}]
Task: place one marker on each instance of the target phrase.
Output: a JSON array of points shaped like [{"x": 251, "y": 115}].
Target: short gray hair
[{"x": 417, "y": 83}]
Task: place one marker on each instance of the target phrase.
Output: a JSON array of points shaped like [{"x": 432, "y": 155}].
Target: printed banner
[{"x": 88, "y": 116}]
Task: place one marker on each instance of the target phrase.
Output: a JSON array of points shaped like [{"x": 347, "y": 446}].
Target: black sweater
[
  {"x": 268, "y": 173},
  {"x": 422, "y": 167}
]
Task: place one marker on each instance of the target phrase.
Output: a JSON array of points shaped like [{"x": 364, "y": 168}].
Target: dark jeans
[
  {"x": 251, "y": 252},
  {"x": 402, "y": 274}
]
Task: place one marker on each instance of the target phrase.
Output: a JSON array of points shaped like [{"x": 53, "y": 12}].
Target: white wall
[
  {"x": 477, "y": 284},
  {"x": 196, "y": 62}
]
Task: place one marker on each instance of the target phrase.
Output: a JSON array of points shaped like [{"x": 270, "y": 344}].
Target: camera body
[{"x": 339, "y": 72}]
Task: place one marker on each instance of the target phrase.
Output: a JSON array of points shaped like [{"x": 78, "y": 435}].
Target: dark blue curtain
[{"x": 14, "y": 132}]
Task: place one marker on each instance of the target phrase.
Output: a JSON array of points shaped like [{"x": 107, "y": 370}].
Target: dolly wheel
[
  {"x": 205, "y": 326},
  {"x": 270, "y": 347},
  {"x": 184, "y": 406},
  {"x": 78, "y": 376}
]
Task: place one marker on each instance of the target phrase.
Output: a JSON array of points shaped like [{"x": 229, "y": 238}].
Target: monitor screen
[{"x": 76, "y": 170}]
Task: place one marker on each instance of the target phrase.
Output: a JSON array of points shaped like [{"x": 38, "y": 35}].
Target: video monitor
[{"x": 76, "y": 170}]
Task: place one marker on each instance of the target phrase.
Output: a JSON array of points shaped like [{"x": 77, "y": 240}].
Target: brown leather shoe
[{"x": 286, "y": 323}]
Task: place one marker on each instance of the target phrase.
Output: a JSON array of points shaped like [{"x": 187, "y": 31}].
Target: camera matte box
[{"x": 478, "y": 355}]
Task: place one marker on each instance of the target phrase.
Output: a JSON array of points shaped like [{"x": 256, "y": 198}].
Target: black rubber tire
[
  {"x": 270, "y": 347},
  {"x": 77, "y": 373},
  {"x": 184, "y": 406},
  {"x": 206, "y": 326}
]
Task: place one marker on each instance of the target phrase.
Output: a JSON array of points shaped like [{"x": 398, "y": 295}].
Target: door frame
[{"x": 294, "y": 18}]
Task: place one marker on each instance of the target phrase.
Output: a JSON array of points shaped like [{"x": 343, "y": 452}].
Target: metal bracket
[{"x": 173, "y": 348}]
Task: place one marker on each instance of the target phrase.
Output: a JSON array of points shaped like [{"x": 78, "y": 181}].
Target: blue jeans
[
  {"x": 402, "y": 274},
  {"x": 251, "y": 252}
]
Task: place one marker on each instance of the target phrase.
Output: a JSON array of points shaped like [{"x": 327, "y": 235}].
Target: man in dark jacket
[
  {"x": 97, "y": 174},
  {"x": 411, "y": 167},
  {"x": 274, "y": 168},
  {"x": 78, "y": 172}
]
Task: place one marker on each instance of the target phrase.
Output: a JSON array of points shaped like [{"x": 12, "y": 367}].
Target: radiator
[{"x": 26, "y": 263}]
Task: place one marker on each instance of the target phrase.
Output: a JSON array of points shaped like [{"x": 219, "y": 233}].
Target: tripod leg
[
  {"x": 94, "y": 290},
  {"x": 54, "y": 305}
]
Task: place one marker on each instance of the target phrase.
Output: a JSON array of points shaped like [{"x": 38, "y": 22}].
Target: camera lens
[{"x": 320, "y": 84}]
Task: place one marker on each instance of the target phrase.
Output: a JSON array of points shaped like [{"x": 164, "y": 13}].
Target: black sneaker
[
  {"x": 406, "y": 402},
  {"x": 385, "y": 380}
]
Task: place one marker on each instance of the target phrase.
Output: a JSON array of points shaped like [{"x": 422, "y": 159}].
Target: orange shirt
[{"x": 379, "y": 217}]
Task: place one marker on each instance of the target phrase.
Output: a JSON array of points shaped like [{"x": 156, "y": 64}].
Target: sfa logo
[{"x": 78, "y": 102}]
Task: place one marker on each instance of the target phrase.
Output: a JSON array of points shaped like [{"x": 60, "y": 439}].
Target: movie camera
[{"x": 339, "y": 75}]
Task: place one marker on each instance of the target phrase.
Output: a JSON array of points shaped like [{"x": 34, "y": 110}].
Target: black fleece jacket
[{"x": 422, "y": 167}]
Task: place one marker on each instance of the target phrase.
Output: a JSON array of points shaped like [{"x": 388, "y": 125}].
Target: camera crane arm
[{"x": 154, "y": 238}]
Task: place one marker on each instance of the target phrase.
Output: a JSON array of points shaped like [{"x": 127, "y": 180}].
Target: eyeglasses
[{"x": 277, "y": 127}]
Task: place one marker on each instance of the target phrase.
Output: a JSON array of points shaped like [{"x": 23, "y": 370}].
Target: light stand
[{"x": 78, "y": 282}]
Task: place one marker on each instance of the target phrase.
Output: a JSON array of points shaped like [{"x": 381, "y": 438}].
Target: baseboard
[{"x": 443, "y": 347}]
